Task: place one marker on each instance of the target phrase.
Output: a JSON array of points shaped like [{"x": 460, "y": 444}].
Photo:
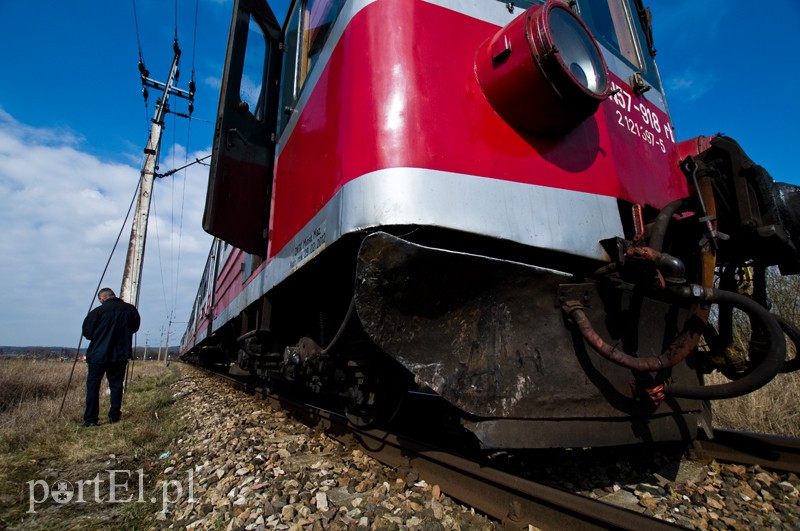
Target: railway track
[
  {"x": 768, "y": 451},
  {"x": 514, "y": 501}
]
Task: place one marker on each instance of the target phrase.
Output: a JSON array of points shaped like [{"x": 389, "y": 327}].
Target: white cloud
[
  {"x": 213, "y": 82},
  {"x": 689, "y": 85},
  {"x": 50, "y": 136},
  {"x": 61, "y": 210},
  {"x": 249, "y": 92}
]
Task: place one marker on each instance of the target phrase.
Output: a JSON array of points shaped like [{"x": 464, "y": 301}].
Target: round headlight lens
[
  {"x": 543, "y": 73},
  {"x": 578, "y": 51}
]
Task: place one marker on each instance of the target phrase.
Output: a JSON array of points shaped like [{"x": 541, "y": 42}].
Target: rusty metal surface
[
  {"x": 486, "y": 335},
  {"x": 769, "y": 451},
  {"x": 516, "y": 433}
]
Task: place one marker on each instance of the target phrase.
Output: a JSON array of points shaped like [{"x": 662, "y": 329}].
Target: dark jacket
[{"x": 110, "y": 328}]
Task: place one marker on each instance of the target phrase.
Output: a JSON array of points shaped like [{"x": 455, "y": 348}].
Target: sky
[{"x": 73, "y": 125}]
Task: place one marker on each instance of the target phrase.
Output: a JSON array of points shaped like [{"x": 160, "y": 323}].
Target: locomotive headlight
[
  {"x": 543, "y": 73},
  {"x": 578, "y": 51}
]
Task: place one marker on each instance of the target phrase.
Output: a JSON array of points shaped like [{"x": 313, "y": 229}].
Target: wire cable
[
  {"x": 194, "y": 38},
  {"x": 172, "y": 204},
  {"x": 180, "y": 223},
  {"x": 97, "y": 289},
  {"x": 160, "y": 260},
  {"x": 136, "y": 24},
  {"x": 194, "y": 49},
  {"x": 141, "y": 63}
]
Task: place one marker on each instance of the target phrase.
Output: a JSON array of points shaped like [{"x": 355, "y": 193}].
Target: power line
[
  {"x": 97, "y": 289},
  {"x": 133, "y": 265},
  {"x": 138, "y": 40},
  {"x": 160, "y": 260},
  {"x": 154, "y": 151},
  {"x": 176, "y": 170},
  {"x": 194, "y": 46},
  {"x": 176, "y": 20},
  {"x": 142, "y": 70},
  {"x": 186, "y": 153}
]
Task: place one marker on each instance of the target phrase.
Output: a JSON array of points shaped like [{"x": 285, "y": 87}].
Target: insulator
[
  {"x": 145, "y": 93},
  {"x": 141, "y": 68},
  {"x": 191, "y": 108},
  {"x": 191, "y": 87}
]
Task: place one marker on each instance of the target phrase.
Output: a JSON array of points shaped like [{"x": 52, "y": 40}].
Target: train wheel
[
  {"x": 373, "y": 397},
  {"x": 361, "y": 404}
]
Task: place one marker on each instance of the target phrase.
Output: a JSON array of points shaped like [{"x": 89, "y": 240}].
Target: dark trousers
[{"x": 115, "y": 373}]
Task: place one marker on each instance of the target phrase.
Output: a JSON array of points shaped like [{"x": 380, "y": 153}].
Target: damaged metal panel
[{"x": 488, "y": 336}]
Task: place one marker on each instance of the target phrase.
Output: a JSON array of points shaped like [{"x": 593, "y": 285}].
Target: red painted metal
[
  {"x": 694, "y": 146},
  {"x": 400, "y": 90},
  {"x": 229, "y": 281},
  {"x": 524, "y": 76}
]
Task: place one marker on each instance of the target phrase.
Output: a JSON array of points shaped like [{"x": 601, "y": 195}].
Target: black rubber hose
[
  {"x": 659, "y": 230},
  {"x": 771, "y": 364},
  {"x": 339, "y": 333}
]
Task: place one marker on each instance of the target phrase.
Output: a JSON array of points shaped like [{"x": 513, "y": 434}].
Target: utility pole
[
  {"x": 166, "y": 349},
  {"x": 160, "y": 344},
  {"x": 132, "y": 274}
]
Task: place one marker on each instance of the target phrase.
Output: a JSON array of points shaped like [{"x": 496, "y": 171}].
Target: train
[{"x": 483, "y": 204}]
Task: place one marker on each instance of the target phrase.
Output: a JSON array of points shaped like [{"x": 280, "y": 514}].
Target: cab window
[
  {"x": 252, "y": 87},
  {"x": 305, "y": 36},
  {"x": 616, "y": 26},
  {"x": 611, "y": 26}
]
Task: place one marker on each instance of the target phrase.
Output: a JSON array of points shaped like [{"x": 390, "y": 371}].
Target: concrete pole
[{"x": 132, "y": 274}]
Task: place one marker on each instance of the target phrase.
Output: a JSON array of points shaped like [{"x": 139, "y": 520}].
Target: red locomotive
[{"x": 483, "y": 201}]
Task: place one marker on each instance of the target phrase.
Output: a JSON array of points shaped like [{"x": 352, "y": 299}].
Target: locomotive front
[{"x": 496, "y": 192}]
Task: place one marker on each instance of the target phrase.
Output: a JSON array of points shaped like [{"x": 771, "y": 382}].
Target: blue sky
[{"x": 73, "y": 125}]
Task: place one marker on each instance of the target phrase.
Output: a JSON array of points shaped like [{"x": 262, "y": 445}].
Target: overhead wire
[
  {"x": 180, "y": 223},
  {"x": 194, "y": 50},
  {"x": 138, "y": 40},
  {"x": 174, "y": 258},
  {"x": 97, "y": 289},
  {"x": 143, "y": 73},
  {"x": 142, "y": 69},
  {"x": 172, "y": 203},
  {"x": 186, "y": 157},
  {"x": 160, "y": 260}
]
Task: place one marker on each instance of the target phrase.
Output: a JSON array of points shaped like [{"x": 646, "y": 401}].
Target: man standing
[{"x": 110, "y": 328}]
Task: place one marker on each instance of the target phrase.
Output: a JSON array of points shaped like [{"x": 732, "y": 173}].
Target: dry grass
[
  {"x": 774, "y": 409},
  {"x": 35, "y": 441},
  {"x": 30, "y": 396}
]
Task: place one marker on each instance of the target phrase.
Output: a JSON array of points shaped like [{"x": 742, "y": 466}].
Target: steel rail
[
  {"x": 511, "y": 500},
  {"x": 768, "y": 451},
  {"x": 514, "y": 501}
]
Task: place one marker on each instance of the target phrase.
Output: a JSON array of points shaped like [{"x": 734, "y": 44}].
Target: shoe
[
  {"x": 112, "y": 421},
  {"x": 88, "y": 424}
]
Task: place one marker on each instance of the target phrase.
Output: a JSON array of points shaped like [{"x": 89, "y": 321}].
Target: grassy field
[{"x": 36, "y": 444}]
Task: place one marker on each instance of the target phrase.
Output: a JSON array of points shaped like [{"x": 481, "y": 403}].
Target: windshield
[{"x": 616, "y": 26}]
